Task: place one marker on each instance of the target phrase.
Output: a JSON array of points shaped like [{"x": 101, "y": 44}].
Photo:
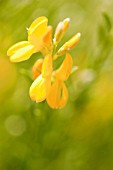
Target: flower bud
[
  {"x": 69, "y": 44},
  {"x": 60, "y": 30}
]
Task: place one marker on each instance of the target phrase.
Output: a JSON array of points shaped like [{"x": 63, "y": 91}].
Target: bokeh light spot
[{"x": 15, "y": 125}]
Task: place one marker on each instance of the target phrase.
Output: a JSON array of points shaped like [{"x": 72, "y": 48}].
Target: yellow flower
[
  {"x": 55, "y": 92},
  {"x": 48, "y": 83},
  {"x": 23, "y": 50},
  {"x": 58, "y": 94}
]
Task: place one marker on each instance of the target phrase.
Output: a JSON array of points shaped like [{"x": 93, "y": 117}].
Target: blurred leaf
[
  {"x": 26, "y": 73},
  {"x": 107, "y": 21},
  {"x": 104, "y": 30}
]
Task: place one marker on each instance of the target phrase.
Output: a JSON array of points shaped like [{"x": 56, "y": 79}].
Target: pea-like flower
[
  {"x": 36, "y": 32},
  {"x": 58, "y": 94},
  {"x": 48, "y": 83}
]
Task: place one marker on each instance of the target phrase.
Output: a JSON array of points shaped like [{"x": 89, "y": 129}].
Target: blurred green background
[{"x": 79, "y": 136}]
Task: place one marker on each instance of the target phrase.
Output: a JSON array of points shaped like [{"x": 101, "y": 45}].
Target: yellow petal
[
  {"x": 48, "y": 84},
  {"x": 52, "y": 97},
  {"x": 37, "y": 90},
  {"x": 22, "y": 54},
  {"x": 37, "y": 67},
  {"x": 38, "y": 26},
  {"x": 69, "y": 44},
  {"x": 58, "y": 95},
  {"x": 47, "y": 38},
  {"x": 65, "y": 69},
  {"x": 64, "y": 96},
  {"x": 36, "y": 31},
  {"x": 16, "y": 47},
  {"x": 47, "y": 66},
  {"x": 37, "y": 42}
]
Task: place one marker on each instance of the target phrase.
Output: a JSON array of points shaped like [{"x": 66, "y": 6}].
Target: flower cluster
[{"x": 48, "y": 83}]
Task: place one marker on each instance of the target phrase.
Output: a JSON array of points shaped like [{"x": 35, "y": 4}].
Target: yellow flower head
[
  {"x": 23, "y": 50},
  {"x": 48, "y": 83}
]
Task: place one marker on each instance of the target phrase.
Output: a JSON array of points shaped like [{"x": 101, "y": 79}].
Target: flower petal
[
  {"x": 48, "y": 84},
  {"x": 16, "y": 47},
  {"x": 37, "y": 90},
  {"x": 22, "y": 54},
  {"x": 37, "y": 42},
  {"x": 65, "y": 69},
  {"x": 52, "y": 98},
  {"x": 47, "y": 66},
  {"x": 58, "y": 95},
  {"x": 38, "y": 26},
  {"x": 47, "y": 38},
  {"x": 36, "y": 31},
  {"x": 37, "y": 67},
  {"x": 63, "y": 96}
]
